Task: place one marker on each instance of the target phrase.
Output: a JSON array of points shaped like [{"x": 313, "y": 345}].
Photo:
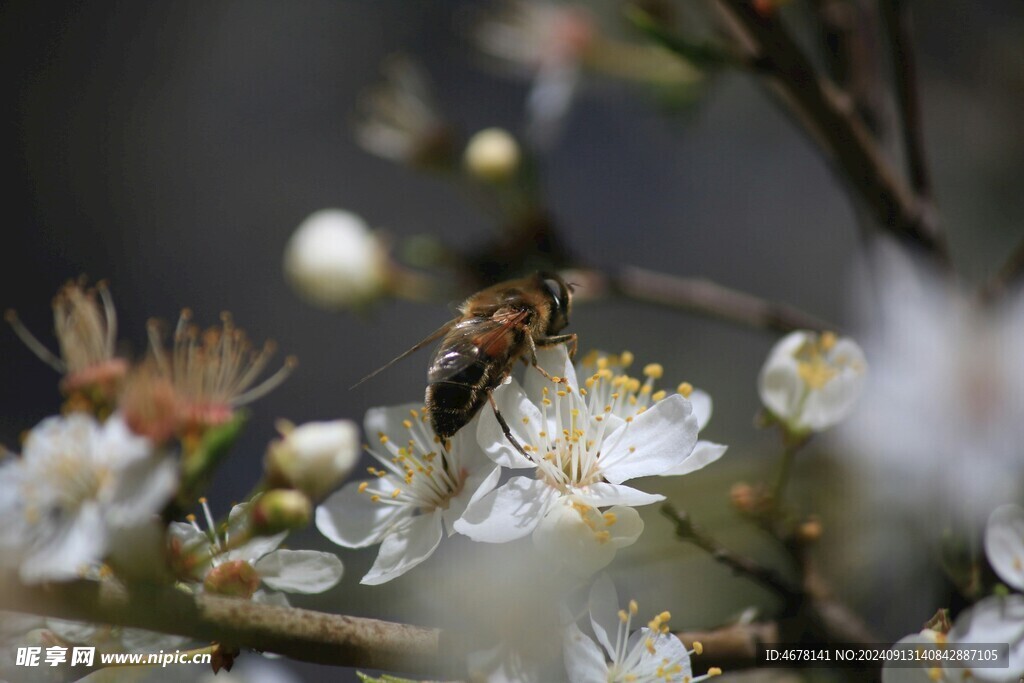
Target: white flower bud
[
  {"x": 335, "y": 260},
  {"x": 492, "y": 155},
  {"x": 811, "y": 382},
  {"x": 315, "y": 457}
]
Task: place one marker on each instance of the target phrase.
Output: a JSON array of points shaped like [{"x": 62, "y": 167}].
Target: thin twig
[
  {"x": 896, "y": 14},
  {"x": 835, "y": 125},
  {"x": 296, "y": 633},
  {"x": 745, "y": 566},
  {"x": 708, "y": 298}
]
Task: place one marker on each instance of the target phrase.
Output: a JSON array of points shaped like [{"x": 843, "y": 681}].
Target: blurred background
[{"x": 172, "y": 148}]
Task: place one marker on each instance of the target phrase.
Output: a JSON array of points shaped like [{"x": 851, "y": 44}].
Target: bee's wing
[
  {"x": 471, "y": 340},
  {"x": 432, "y": 337}
]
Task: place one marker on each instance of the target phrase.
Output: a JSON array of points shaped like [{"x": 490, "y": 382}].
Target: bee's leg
[
  {"x": 506, "y": 429},
  {"x": 570, "y": 339}
]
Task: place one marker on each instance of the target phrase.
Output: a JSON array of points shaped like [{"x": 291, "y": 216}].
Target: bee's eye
[{"x": 556, "y": 289}]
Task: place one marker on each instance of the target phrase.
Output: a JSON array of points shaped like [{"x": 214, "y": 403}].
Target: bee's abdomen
[{"x": 452, "y": 402}]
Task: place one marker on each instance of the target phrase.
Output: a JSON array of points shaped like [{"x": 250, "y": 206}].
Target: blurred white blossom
[
  {"x": 617, "y": 654},
  {"x": 1004, "y": 544},
  {"x": 812, "y": 381},
  {"x": 940, "y": 429},
  {"x": 423, "y": 488},
  {"x": 77, "y": 485},
  {"x": 334, "y": 260},
  {"x": 314, "y": 457},
  {"x": 580, "y": 452}
]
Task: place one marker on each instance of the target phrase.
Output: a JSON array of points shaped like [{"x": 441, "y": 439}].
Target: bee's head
[{"x": 561, "y": 301}]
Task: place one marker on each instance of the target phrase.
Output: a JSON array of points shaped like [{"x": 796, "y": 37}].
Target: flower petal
[
  {"x": 477, "y": 485},
  {"x": 779, "y": 383},
  {"x": 68, "y": 547},
  {"x": 352, "y": 520},
  {"x": 507, "y": 513},
  {"x": 1004, "y": 544},
  {"x": 704, "y": 453},
  {"x": 580, "y": 540},
  {"x": 604, "y": 608},
  {"x": 300, "y": 571},
  {"x": 701, "y": 402},
  {"x": 524, "y": 421},
  {"x": 656, "y": 440},
  {"x": 584, "y": 661},
  {"x": 409, "y": 543},
  {"x": 603, "y": 494}
]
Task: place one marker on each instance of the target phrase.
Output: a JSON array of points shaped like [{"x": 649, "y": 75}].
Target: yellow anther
[
  {"x": 583, "y": 392},
  {"x": 374, "y": 498},
  {"x": 590, "y": 359},
  {"x": 575, "y": 412},
  {"x": 698, "y": 647},
  {"x": 363, "y": 486},
  {"x": 546, "y": 401},
  {"x": 561, "y": 393},
  {"x": 664, "y": 616},
  {"x": 396, "y": 493},
  {"x": 383, "y": 438},
  {"x": 202, "y": 500},
  {"x": 623, "y": 617},
  {"x": 407, "y": 424},
  {"x": 633, "y": 607},
  {"x": 602, "y": 363},
  {"x": 654, "y": 370},
  {"x": 414, "y": 414},
  {"x": 714, "y": 671},
  {"x": 633, "y": 385},
  {"x": 658, "y": 395},
  {"x": 190, "y": 517},
  {"x": 526, "y": 420},
  {"x": 828, "y": 340},
  {"x": 610, "y": 518},
  {"x": 645, "y": 389},
  {"x": 555, "y": 379},
  {"x": 685, "y": 389},
  {"x": 649, "y": 644},
  {"x": 626, "y": 358}
]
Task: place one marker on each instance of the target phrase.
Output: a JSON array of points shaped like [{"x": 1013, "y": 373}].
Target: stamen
[{"x": 33, "y": 344}]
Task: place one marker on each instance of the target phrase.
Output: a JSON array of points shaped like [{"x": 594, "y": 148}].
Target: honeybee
[{"x": 497, "y": 326}]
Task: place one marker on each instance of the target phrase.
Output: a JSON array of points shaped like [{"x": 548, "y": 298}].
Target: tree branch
[
  {"x": 704, "y": 297},
  {"x": 296, "y": 633},
  {"x": 742, "y": 565},
  {"x": 896, "y": 14},
  {"x": 833, "y": 122}
]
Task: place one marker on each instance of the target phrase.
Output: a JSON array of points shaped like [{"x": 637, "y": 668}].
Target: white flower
[
  {"x": 1004, "y": 544},
  {"x": 995, "y": 619},
  {"x": 645, "y": 656},
  {"x": 580, "y": 451},
  {"x": 237, "y": 563},
  {"x": 492, "y": 155},
  {"x": 811, "y": 382},
  {"x": 632, "y": 395},
  {"x": 77, "y": 485},
  {"x": 940, "y": 429},
  {"x": 423, "y": 487},
  {"x": 927, "y": 639},
  {"x": 316, "y": 456},
  {"x": 334, "y": 260}
]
